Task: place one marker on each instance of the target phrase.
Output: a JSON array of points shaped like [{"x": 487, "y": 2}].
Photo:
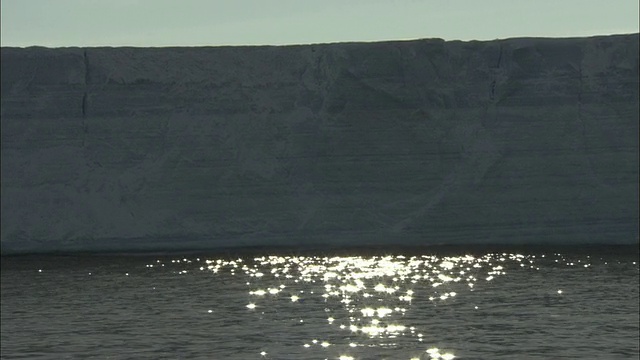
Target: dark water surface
[{"x": 362, "y": 304}]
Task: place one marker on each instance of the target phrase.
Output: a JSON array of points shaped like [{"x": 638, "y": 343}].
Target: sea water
[{"x": 386, "y": 304}]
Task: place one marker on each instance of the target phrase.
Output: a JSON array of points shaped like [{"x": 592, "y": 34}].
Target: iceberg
[{"x": 514, "y": 141}]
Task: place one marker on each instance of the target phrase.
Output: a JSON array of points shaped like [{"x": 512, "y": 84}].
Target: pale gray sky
[{"x": 57, "y": 23}]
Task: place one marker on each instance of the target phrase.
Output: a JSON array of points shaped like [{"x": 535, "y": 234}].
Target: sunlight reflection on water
[
  {"x": 413, "y": 306},
  {"x": 367, "y": 301}
]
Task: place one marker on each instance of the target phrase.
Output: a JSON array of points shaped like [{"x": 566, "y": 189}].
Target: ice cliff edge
[{"x": 417, "y": 142}]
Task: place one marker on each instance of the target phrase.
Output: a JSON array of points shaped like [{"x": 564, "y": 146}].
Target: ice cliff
[{"x": 522, "y": 140}]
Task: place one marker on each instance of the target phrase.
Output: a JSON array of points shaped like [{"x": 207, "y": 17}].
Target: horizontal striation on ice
[{"x": 421, "y": 142}]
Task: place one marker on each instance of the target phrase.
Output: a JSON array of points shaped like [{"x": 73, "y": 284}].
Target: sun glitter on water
[{"x": 367, "y": 301}]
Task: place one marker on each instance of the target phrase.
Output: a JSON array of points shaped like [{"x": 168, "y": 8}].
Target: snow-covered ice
[{"x": 413, "y": 142}]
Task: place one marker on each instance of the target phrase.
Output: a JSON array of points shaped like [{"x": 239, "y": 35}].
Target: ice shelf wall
[{"x": 515, "y": 141}]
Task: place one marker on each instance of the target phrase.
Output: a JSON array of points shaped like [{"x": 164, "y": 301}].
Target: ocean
[{"x": 419, "y": 303}]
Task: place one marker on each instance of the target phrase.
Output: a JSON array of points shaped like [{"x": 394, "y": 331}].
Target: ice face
[{"x": 416, "y": 142}]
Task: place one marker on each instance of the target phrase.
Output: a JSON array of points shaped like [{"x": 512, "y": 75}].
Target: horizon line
[{"x": 320, "y": 43}]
